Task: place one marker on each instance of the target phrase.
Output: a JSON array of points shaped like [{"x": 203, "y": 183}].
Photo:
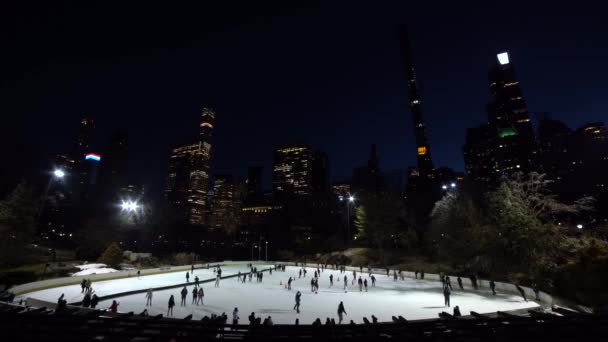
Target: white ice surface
[
  {"x": 73, "y": 293},
  {"x": 93, "y": 270},
  {"x": 413, "y": 299}
]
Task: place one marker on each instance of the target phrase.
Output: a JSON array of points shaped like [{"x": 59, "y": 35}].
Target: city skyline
[{"x": 374, "y": 111}]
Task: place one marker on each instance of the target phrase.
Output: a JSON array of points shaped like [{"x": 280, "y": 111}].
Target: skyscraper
[
  {"x": 189, "y": 167},
  {"x": 292, "y": 170},
  {"x": 320, "y": 172},
  {"x": 254, "y": 183},
  {"x": 226, "y": 206},
  {"x": 506, "y": 143},
  {"x": 423, "y": 150},
  {"x": 114, "y": 176}
]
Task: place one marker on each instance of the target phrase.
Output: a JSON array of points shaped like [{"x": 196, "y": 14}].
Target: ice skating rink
[{"x": 411, "y": 298}]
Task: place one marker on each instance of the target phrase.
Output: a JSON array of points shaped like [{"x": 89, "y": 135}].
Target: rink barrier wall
[
  {"x": 162, "y": 288},
  {"x": 57, "y": 282}
]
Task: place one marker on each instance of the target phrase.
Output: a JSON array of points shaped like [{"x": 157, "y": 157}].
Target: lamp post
[
  {"x": 266, "y": 250},
  {"x": 57, "y": 174},
  {"x": 351, "y": 199},
  {"x": 260, "y": 249}
]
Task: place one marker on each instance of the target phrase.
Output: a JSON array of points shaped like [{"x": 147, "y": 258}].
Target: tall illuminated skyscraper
[
  {"x": 292, "y": 170},
  {"x": 189, "y": 168},
  {"x": 423, "y": 150},
  {"x": 506, "y": 143}
]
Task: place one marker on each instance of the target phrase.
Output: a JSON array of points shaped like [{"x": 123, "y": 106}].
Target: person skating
[
  {"x": 192, "y": 269},
  {"x": 536, "y": 291},
  {"x": 521, "y": 292},
  {"x": 114, "y": 307},
  {"x": 345, "y": 282},
  {"x": 187, "y": 277},
  {"x": 446, "y": 296},
  {"x": 421, "y": 274},
  {"x": 388, "y": 272},
  {"x": 201, "y": 294},
  {"x": 149, "y": 297},
  {"x": 170, "y": 306},
  {"x": 219, "y": 271},
  {"x": 94, "y": 301},
  {"x": 194, "y": 295},
  {"x": 300, "y": 273},
  {"x": 196, "y": 280},
  {"x": 184, "y": 294},
  {"x": 373, "y": 281},
  {"x": 138, "y": 273},
  {"x": 305, "y": 273},
  {"x": 238, "y": 277},
  {"x": 250, "y": 276},
  {"x": 86, "y": 301},
  {"x": 312, "y": 285},
  {"x": 252, "y": 319},
  {"x": 395, "y": 275},
  {"x": 474, "y": 281},
  {"x": 289, "y": 284},
  {"x": 493, "y": 287},
  {"x": 235, "y": 316},
  {"x": 298, "y": 298},
  {"x": 331, "y": 280},
  {"x": 365, "y": 284},
  {"x": 83, "y": 284},
  {"x": 416, "y": 274},
  {"x": 460, "y": 283},
  {"x": 448, "y": 282},
  {"x": 360, "y": 281},
  {"x": 341, "y": 312},
  {"x": 457, "y": 311},
  {"x": 217, "y": 280}
]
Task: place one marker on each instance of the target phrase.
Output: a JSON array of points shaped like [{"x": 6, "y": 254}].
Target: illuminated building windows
[{"x": 421, "y": 150}]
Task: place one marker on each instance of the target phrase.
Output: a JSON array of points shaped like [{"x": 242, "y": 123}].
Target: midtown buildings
[
  {"x": 189, "y": 168},
  {"x": 506, "y": 143},
  {"x": 292, "y": 171}
]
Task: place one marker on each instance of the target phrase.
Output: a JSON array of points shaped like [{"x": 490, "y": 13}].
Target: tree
[
  {"x": 377, "y": 218},
  {"x": 456, "y": 230},
  {"x": 112, "y": 255},
  {"x": 17, "y": 223}
]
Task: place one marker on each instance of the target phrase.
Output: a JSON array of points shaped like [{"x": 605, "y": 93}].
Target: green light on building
[{"x": 506, "y": 132}]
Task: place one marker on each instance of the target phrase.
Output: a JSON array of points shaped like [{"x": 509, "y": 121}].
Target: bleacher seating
[{"x": 41, "y": 324}]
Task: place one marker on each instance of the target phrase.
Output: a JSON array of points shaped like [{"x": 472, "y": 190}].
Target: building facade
[
  {"x": 292, "y": 171},
  {"x": 189, "y": 168},
  {"x": 507, "y": 143}
]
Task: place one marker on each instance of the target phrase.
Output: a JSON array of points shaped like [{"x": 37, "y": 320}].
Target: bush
[
  {"x": 285, "y": 255},
  {"x": 184, "y": 258},
  {"x": 112, "y": 255},
  {"x": 148, "y": 262}
]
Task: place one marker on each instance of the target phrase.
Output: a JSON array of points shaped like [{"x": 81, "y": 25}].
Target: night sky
[{"x": 326, "y": 74}]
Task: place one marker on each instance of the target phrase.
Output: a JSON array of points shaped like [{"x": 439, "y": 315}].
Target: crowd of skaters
[{"x": 91, "y": 300}]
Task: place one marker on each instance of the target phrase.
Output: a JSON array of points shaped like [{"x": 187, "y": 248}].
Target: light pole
[
  {"x": 351, "y": 199},
  {"x": 260, "y": 249},
  {"x": 266, "y": 250},
  {"x": 57, "y": 173}
]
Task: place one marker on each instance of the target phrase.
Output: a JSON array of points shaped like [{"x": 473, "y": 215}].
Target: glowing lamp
[
  {"x": 59, "y": 173},
  {"x": 503, "y": 58}
]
